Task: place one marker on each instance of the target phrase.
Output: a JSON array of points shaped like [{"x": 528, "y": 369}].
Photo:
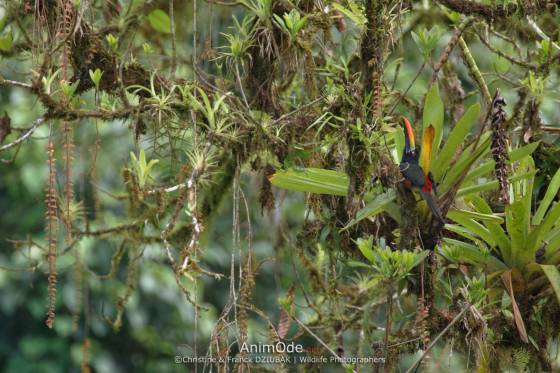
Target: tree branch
[
  {"x": 492, "y": 12},
  {"x": 26, "y": 135}
]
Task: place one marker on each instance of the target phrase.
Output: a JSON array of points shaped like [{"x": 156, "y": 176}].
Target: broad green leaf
[
  {"x": 460, "y": 230},
  {"x": 399, "y": 143},
  {"x": 545, "y": 228},
  {"x": 355, "y": 263},
  {"x": 454, "y": 140},
  {"x": 312, "y": 180},
  {"x": 472, "y": 254},
  {"x": 417, "y": 40},
  {"x": 533, "y": 240},
  {"x": 373, "y": 208},
  {"x": 6, "y": 42},
  {"x": 517, "y": 230},
  {"x": 466, "y": 160},
  {"x": 419, "y": 258},
  {"x": 548, "y": 197},
  {"x": 473, "y": 226},
  {"x": 553, "y": 243},
  {"x": 514, "y": 156},
  {"x": 522, "y": 152},
  {"x": 433, "y": 114},
  {"x": 489, "y": 185},
  {"x": 497, "y": 231},
  {"x": 365, "y": 247},
  {"x": 160, "y": 21},
  {"x": 393, "y": 210},
  {"x": 523, "y": 191},
  {"x": 554, "y": 277},
  {"x": 551, "y": 219},
  {"x": 355, "y": 14},
  {"x": 479, "y": 216}
]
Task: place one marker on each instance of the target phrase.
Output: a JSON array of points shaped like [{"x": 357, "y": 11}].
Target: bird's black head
[{"x": 411, "y": 156}]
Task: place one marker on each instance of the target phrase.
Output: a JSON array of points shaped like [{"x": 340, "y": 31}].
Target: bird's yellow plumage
[{"x": 426, "y": 151}]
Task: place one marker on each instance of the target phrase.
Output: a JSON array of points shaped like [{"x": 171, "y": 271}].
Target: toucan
[{"x": 416, "y": 168}]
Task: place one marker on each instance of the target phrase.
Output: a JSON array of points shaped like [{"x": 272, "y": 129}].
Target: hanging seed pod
[
  {"x": 499, "y": 144},
  {"x": 51, "y": 228}
]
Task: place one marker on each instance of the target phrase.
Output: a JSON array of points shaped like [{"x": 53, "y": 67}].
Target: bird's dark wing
[
  {"x": 413, "y": 173},
  {"x": 432, "y": 204},
  {"x": 434, "y": 186}
]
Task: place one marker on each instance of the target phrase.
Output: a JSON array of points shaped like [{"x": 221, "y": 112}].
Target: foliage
[{"x": 179, "y": 177}]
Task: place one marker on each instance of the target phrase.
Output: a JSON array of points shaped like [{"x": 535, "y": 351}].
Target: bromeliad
[{"x": 415, "y": 167}]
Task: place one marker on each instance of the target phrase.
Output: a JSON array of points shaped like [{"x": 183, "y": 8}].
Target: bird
[{"x": 415, "y": 167}]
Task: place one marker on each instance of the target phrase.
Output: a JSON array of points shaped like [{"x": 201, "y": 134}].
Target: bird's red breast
[{"x": 427, "y": 185}]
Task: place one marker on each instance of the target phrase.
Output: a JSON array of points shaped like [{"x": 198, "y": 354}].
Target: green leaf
[
  {"x": 160, "y": 21},
  {"x": 545, "y": 228},
  {"x": 495, "y": 229},
  {"x": 522, "y": 152},
  {"x": 514, "y": 156},
  {"x": 472, "y": 254},
  {"x": 554, "y": 277},
  {"x": 527, "y": 166},
  {"x": 548, "y": 197},
  {"x": 488, "y": 217},
  {"x": 466, "y": 160},
  {"x": 393, "y": 209},
  {"x": 399, "y": 143},
  {"x": 517, "y": 230},
  {"x": 6, "y": 42},
  {"x": 355, "y": 13},
  {"x": 490, "y": 185},
  {"x": 420, "y": 258},
  {"x": 355, "y": 263},
  {"x": 418, "y": 41},
  {"x": 433, "y": 114},
  {"x": 454, "y": 141},
  {"x": 365, "y": 247},
  {"x": 461, "y": 231},
  {"x": 312, "y": 180},
  {"x": 373, "y": 208},
  {"x": 553, "y": 239},
  {"x": 473, "y": 226}
]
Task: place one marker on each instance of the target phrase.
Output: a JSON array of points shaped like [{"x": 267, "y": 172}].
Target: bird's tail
[{"x": 433, "y": 205}]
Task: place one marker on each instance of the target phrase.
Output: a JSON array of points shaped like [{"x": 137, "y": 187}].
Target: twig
[
  {"x": 167, "y": 190},
  {"x": 475, "y": 72},
  {"x": 298, "y": 110},
  {"x": 550, "y": 129},
  {"x": 101, "y": 232},
  {"x": 238, "y": 77},
  {"x": 388, "y": 327},
  {"x": 403, "y": 95},
  {"x": 15, "y": 83},
  {"x": 488, "y": 12},
  {"x": 450, "y": 46},
  {"x": 318, "y": 339},
  {"x": 440, "y": 335},
  {"x": 484, "y": 39},
  {"x": 26, "y": 135},
  {"x": 541, "y": 33},
  {"x": 173, "y": 39}
]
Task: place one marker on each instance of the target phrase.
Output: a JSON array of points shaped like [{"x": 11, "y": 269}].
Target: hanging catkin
[
  {"x": 499, "y": 145},
  {"x": 51, "y": 228}
]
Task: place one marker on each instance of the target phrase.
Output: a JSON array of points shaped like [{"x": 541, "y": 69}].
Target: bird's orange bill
[
  {"x": 426, "y": 151},
  {"x": 409, "y": 133}
]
